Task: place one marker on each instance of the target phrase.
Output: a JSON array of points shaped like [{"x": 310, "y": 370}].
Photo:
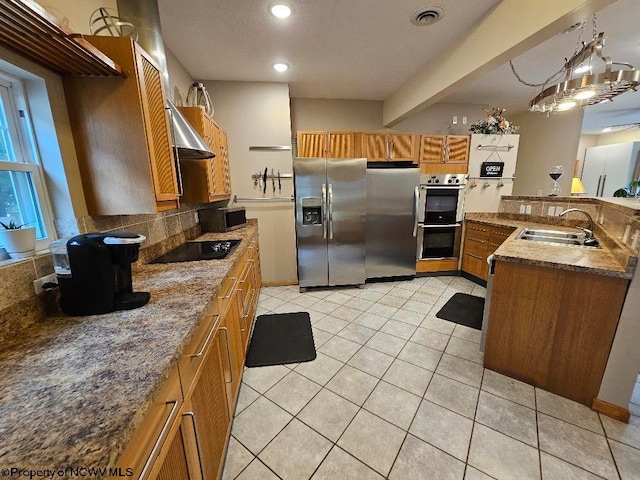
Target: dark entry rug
[
  {"x": 281, "y": 338},
  {"x": 463, "y": 309}
]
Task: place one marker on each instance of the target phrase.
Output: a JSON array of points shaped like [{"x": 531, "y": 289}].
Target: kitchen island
[
  {"x": 553, "y": 308},
  {"x": 74, "y": 390}
]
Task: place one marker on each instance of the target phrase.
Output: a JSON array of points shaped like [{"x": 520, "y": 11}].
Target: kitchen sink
[
  {"x": 552, "y": 233},
  {"x": 558, "y": 237}
]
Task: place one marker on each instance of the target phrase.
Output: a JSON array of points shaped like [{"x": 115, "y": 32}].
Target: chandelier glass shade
[{"x": 590, "y": 88}]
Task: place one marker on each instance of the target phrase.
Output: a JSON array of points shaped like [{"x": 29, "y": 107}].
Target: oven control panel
[{"x": 444, "y": 179}]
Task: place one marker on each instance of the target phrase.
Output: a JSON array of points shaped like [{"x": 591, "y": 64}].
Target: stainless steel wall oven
[{"x": 441, "y": 215}]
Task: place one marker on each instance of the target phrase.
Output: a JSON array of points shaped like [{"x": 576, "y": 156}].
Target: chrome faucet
[{"x": 587, "y": 231}]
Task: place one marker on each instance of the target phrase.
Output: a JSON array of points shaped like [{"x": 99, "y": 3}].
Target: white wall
[
  {"x": 253, "y": 113},
  {"x": 481, "y": 198},
  {"x": 624, "y": 136},
  {"x": 545, "y": 142}
]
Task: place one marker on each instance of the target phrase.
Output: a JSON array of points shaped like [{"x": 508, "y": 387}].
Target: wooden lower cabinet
[
  {"x": 185, "y": 432},
  {"x": 553, "y": 328},
  {"x": 480, "y": 241}
]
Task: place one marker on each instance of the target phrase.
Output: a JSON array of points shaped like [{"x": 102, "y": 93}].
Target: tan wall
[
  {"x": 253, "y": 113},
  {"x": 179, "y": 79},
  {"x": 624, "y": 136},
  {"x": 366, "y": 115},
  {"x": 545, "y": 142},
  {"x": 76, "y": 14}
]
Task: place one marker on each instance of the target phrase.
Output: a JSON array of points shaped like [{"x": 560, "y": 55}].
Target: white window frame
[{"x": 26, "y": 151}]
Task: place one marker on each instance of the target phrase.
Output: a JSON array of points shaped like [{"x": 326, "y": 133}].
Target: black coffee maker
[{"x": 94, "y": 274}]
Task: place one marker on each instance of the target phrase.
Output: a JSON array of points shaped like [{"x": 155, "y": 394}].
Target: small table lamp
[{"x": 577, "y": 187}]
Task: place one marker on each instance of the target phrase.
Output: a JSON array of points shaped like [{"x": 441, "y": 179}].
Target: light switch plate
[
  {"x": 551, "y": 211},
  {"x": 523, "y": 208}
]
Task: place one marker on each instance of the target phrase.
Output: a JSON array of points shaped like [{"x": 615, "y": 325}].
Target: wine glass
[{"x": 555, "y": 173}]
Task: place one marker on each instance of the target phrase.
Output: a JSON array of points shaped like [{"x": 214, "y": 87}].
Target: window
[{"x": 23, "y": 196}]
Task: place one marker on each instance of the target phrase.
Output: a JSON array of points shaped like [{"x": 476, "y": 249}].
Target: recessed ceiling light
[
  {"x": 606, "y": 129},
  {"x": 280, "y": 67},
  {"x": 280, "y": 10},
  {"x": 566, "y": 105}
]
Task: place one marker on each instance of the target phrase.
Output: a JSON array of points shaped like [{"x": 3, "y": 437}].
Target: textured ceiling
[
  {"x": 366, "y": 49},
  {"x": 356, "y": 49}
]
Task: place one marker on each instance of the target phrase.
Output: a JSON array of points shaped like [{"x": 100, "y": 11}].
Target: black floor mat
[
  {"x": 281, "y": 338},
  {"x": 463, "y": 309}
]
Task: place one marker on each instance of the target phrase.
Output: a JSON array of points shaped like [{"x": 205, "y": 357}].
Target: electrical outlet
[
  {"x": 528, "y": 209},
  {"x": 559, "y": 210},
  {"x": 523, "y": 208},
  {"x": 37, "y": 283},
  {"x": 195, "y": 217},
  {"x": 464, "y": 120},
  {"x": 455, "y": 119},
  {"x": 551, "y": 211}
]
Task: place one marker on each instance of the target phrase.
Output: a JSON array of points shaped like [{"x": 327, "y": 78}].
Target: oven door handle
[
  {"x": 448, "y": 225},
  {"x": 416, "y": 206},
  {"x": 438, "y": 187}
]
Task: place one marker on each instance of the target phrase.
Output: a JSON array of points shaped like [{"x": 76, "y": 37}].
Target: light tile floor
[{"x": 397, "y": 393}]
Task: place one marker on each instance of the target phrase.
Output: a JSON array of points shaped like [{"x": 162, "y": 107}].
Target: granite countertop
[
  {"x": 612, "y": 259},
  {"x": 74, "y": 389}
]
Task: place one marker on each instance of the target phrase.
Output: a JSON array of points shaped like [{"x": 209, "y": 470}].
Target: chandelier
[{"x": 588, "y": 88}]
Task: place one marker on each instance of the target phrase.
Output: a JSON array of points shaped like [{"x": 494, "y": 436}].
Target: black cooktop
[{"x": 193, "y": 251}]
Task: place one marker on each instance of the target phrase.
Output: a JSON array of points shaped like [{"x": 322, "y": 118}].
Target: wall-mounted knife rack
[
  {"x": 258, "y": 176},
  {"x": 237, "y": 199},
  {"x": 496, "y": 148}
]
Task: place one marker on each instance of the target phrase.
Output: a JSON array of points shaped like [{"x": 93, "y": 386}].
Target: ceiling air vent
[{"x": 427, "y": 16}]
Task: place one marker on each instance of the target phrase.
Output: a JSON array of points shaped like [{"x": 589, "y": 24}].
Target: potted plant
[
  {"x": 633, "y": 190},
  {"x": 19, "y": 242}
]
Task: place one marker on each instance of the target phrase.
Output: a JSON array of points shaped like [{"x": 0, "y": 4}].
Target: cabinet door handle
[
  {"x": 155, "y": 451},
  {"x": 197, "y": 437},
  {"x": 228, "y": 295},
  {"x": 324, "y": 207},
  {"x": 207, "y": 340},
  {"x": 226, "y": 335}
]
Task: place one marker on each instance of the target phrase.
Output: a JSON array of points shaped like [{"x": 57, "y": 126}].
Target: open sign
[{"x": 491, "y": 169}]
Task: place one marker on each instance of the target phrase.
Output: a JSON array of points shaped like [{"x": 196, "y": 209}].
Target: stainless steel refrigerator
[
  {"x": 330, "y": 197},
  {"x": 392, "y": 222}
]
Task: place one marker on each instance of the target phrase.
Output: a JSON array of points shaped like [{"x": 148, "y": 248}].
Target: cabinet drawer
[
  {"x": 150, "y": 443},
  {"x": 475, "y": 245},
  {"x": 191, "y": 360}
]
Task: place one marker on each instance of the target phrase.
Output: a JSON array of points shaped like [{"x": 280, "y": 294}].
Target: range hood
[
  {"x": 145, "y": 16},
  {"x": 189, "y": 144}
]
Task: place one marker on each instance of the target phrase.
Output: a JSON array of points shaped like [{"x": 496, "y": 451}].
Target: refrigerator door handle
[
  {"x": 330, "y": 215},
  {"x": 416, "y": 206},
  {"x": 323, "y": 206},
  {"x": 598, "y": 187},
  {"x": 604, "y": 179}
]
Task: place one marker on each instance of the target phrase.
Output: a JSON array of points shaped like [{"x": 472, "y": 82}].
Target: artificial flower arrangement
[{"x": 494, "y": 124}]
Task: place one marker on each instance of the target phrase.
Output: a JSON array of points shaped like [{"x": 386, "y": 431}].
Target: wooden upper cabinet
[
  {"x": 404, "y": 147},
  {"x": 206, "y": 180},
  {"x": 328, "y": 144},
  {"x": 342, "y": 145},
  {"x": 432, "y": 149},
  {"x": 375, "y": 147},
  {"x": 444, "y": 153},
  {"x": 393, "y": 147},
  {"x": 122, "y": 135},
  {"x": 312, "y": 144},
  {"x": 458, "y": 148}
]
